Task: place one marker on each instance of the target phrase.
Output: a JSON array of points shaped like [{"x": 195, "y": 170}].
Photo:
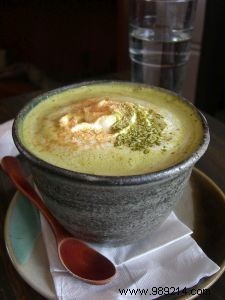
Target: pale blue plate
[
  {"x": 27, "y": 252},
  {"x": 25, "y": 245}
]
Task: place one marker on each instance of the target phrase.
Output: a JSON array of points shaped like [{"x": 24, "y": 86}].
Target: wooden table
[{"x": 13, "y": 287}]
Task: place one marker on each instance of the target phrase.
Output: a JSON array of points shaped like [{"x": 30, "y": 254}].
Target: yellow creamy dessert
[{"x": 112, "y": 129}]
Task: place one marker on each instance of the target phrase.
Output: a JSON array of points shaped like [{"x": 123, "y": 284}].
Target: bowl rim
[{"x": 160, "y": 175}]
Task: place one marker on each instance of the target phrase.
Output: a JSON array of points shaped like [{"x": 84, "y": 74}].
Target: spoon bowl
[{"x": 78, "y": 258}]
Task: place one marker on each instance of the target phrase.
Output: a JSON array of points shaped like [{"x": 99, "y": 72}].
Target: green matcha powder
[{"x": 140, "y": 128}]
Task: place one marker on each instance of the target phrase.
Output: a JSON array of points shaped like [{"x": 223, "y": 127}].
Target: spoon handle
[{"x": 12, "y": 167}]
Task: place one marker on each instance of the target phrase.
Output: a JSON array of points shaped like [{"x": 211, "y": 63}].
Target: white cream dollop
[{"x": 102, "y": 123}]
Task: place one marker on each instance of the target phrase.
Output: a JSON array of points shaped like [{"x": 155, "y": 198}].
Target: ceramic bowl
[{"x": 114, "y": 210}]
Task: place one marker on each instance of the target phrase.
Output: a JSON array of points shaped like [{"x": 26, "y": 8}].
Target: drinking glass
[{"x": 160, "y": 34}]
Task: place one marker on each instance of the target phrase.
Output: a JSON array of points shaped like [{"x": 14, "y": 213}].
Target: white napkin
[
  {"x": 167, "y": 260},
  {"x": 7, "y": 146}
]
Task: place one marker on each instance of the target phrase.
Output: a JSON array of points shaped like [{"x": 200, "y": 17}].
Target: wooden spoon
[{"x": 78, "y": 258}]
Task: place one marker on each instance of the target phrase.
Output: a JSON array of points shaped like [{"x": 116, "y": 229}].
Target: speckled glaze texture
[
  {"x": 109, "y": 214},
  {"x": 114, "y": 210}
]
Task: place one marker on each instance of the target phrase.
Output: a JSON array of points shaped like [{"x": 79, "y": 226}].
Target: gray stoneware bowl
[{"x": 114, "y": 210}]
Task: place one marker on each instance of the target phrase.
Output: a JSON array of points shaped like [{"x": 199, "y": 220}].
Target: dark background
[
  {"x": 51, "y": 43},
  {"x": 210, "y": 94},
  {"x": 56, "y": 42}
]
